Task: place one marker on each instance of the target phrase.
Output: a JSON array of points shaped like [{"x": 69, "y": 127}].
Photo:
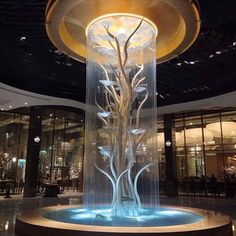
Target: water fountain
[{"x": 121, "y": 194}]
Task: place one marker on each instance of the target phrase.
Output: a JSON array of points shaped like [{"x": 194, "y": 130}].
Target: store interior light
[
  {"x": 194, "y": 136},
  {"x": 228, "y": 129}
]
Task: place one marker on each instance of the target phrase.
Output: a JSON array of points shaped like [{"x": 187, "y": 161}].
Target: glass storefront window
[
  {"x": 214, "y": 164},
  {"x": 212, "y": 124},
  {"x": 195, "y": 162},
  {"x": 181, "y": 161},
  {"x": 161, "y": 148},
  {"x": 209, "y": 144},
  {"x": 13, "y": 147},
  {"x": 61, "y": 152},
  {"x": 228, "y": 125}
]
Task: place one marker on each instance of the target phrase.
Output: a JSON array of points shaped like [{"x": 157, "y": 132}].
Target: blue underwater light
[{"x": 147, "y": 217}]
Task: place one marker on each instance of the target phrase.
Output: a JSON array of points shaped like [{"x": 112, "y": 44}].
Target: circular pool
[
  {"x": 102, "y": 217},
  {"x": 74, "y": 221}
]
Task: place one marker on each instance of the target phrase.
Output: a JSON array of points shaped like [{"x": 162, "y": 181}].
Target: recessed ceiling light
[
  {"x": 58, "y": 51},
  {"x": 186, "y": 62},
  {"x": 22, "y": 38},
  {"x": 179, "y": 64},
  {"x": 192, "y": 62},
  {"x": 26, "y": 103},
  {"x": 10, "y": 106},
  {"x": 2, "y": 109},
  {"x": 218, "y": 52},
  {"x": 234, "y": 44},
  {"x": 211, "y": 56}
]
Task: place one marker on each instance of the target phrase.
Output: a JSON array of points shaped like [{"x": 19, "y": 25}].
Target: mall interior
[{"x": 43, "y": 115}]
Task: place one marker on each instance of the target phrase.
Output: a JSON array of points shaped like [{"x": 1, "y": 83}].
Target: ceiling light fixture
[
  {"x": 10, "y": 106},
  {"x": 26, "y": 103},
  {"x": 218, "y": 52},
  {"x": 22, "y": 38},
  {"x": 211, "y": 56}
]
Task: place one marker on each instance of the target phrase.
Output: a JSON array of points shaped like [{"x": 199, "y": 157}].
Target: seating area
[
  {"x": 195, "y": 186},
  {"x": 9, "y": 187}
]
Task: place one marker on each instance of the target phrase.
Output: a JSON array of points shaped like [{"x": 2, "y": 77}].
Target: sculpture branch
[
  {"x": 139, "y": 110},
  {"x": 136, "y": 181},
  {"x": 127, "y": 42}
]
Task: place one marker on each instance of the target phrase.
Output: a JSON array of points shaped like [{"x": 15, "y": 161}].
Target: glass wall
[
  {"x": 206, "y": 144},
  {"x": 61, "y": 148},
  {"x": 13, "y": 147},
  {"x": 161, "y": 148},
  {"x": 61, "y": 151},
  {"x": 181, "y": 155}
]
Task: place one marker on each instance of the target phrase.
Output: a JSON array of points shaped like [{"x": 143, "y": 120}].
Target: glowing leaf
[
  {"x": 108, "y": 82},
  {"x": 140, "y": 89},
  {"x": 105, "y": 150},
  {"x": 104, "y": 114},
  {"x": 137, "y": 131}
]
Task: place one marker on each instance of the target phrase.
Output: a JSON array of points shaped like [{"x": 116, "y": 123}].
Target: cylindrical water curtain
[{"x": 121, "y": 163}]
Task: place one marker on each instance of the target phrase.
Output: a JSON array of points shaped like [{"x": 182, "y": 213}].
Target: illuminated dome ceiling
[{"x": 29, "y": 61}]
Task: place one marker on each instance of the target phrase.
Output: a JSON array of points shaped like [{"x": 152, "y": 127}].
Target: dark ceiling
[{"x": 29, "y": 61}]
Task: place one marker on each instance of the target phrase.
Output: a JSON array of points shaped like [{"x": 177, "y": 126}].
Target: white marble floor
[{"x": 9, "y": 208}]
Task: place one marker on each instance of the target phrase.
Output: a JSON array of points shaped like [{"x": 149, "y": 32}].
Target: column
[
  {"x": 170, "y": 157},
  {"x": 33, "y": 148}
]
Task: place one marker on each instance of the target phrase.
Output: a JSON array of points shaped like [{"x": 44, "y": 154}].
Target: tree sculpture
[{"x": 125, "y": 93}]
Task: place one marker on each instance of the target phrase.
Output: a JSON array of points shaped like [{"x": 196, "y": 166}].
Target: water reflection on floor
[{"x": 10, "y": 208}]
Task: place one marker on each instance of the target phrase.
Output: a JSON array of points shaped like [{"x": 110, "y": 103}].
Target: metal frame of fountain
[{"x": 121, "y": 194}]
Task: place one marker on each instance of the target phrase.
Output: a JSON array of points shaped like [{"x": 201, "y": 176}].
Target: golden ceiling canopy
[{"x": 177, "y": 21}]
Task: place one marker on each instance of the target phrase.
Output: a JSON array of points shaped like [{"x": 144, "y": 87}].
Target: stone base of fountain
[{"x": 35, "y": 223}]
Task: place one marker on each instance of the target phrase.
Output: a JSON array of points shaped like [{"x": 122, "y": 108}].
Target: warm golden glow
[
  {"x": 121, "y": 27},
  {"x": 118, "y": 27},
  {"x": 178, "y": 23}
]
